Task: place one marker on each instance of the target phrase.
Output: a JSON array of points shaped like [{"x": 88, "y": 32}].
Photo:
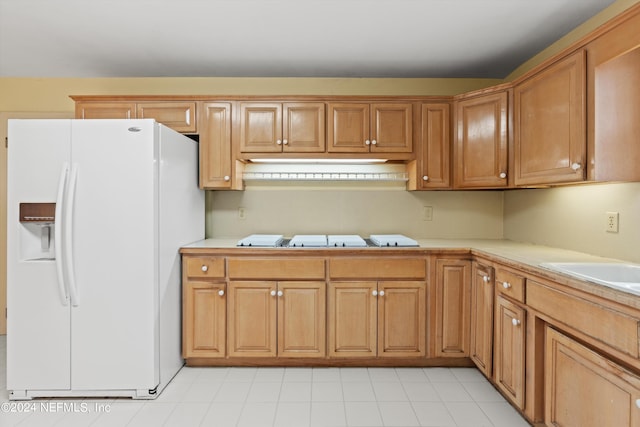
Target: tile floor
[{"x": 296, "y": 397}]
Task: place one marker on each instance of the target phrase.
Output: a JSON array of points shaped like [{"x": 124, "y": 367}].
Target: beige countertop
[{"x": 524, "y": 256}]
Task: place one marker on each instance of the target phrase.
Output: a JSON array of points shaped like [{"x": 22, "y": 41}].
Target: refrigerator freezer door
[
  {"x": 38, "y": 324},
  {"x": 114, "y": 325}
]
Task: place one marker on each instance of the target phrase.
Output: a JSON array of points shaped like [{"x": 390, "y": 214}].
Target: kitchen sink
[{"x": 621, "y": 276}]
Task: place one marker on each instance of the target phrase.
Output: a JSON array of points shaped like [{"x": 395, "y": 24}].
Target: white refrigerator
[{"x": 97, "y": 212}]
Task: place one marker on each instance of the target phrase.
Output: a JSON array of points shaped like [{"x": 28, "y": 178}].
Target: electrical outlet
[
  {"x": 612, "y": 222},
  {"x": 427, "y": 213},
  {"x": 242, "y": 213}
]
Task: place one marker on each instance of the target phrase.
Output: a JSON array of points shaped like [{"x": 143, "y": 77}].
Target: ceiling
[{"x": 280, "y": 38}]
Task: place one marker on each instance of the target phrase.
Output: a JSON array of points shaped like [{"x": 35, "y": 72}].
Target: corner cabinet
[
  {"x": 482, "y": 318},
  {"x": 480, "y": 149},
  {"x": 550, "y": 124},
  {"x": 451, "y": 307}
]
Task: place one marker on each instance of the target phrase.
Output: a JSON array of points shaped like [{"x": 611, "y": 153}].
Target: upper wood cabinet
[
  {"x": 434, "y": 151},
  {"x": 549, "y": 124},
  {"x": 370, "y": 128},
  {"x": 179, "y": 116},
  {"x": 613, "y": 94},
  {"x": 481, "y": 141},
  {"x": 282, "y": 127},
  {"x": 105, "y": 110},
  {"x": 215, "y": 145}
]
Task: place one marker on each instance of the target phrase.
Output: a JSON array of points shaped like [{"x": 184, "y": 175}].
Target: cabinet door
[
  {"x": 105, "y": 110},
  {"x": 550, "y": 139},
  {"x": 583, "y": 389},
  {"x": 352, "y": 319},
  {"x": 435, "y": 147},
  {"x": 301, "y": 319},
  {"x": 401, "y": 319},
  {"x": 215, "y": 145},
  {"x": 179, "y": 116},
  {"x": 482, "y": 318},
  {"x": 260, "y": 127},
  {"x": 480, "y": 149},
  {"x": 391, "y": 128},
  {"x": 252, "y": 319},
  {"x": 510, "y": 335},
  {"x": 453, "y": 296},
  {"x": 303, "y": 127},
  {"x": 204, "y": 320},
  {"x": 348, "y": 128}
]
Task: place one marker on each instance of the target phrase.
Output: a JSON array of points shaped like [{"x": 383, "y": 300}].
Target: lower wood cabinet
[
  {"x": 584, "y": 389},
  {"x": 509, "y": 353},
  {"x": 482, "y": 290},
  {"x": 383, "y": 319},
  {"x": 204, "y": 329},
  {"x": 268, "y": 319},
  {"x": 452, "y": 297}
]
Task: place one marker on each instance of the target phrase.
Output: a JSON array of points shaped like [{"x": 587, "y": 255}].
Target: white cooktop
[
  {"x": 262, "y": 240},
  {"x": 308, "y": 240},
  {"x": 392, "y": 240},
  {"x": 346, "y": 240}
]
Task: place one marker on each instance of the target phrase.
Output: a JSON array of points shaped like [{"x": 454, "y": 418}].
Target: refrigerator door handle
[
  {"x": 62, "y": 186},
  {"x": 68, "y": 236}
]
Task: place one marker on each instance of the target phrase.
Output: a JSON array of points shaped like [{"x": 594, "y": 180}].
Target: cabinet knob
[
  {"x": 367, "y": 142},
  {"x": 280, "y": 293},
  {"x": 374, "y": 142},
  {"x": 285, "y": 142},
  {"x": 221, "y": 292},
  {"x": 279, "y": 142},
  {"x": 485, "y": 279},
  {"x": 425, "y": 178},
  {"x": 273, "y": 293},
  {"x": 576, "y": 166},
  {"x": 374, "y": 293},
  {"x": 515, "y": 322},
  {"x": 381, "y": 293},
  {"x": 503, "y": 175},
  {"x": 638, "y": 403},
  {"x": 227, "y": 178},
  {"x": 205, "y": 268},
  {"x": 506, "y": 285}
]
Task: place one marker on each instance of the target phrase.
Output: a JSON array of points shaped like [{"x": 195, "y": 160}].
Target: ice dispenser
[{"x": 37, "y": 231}]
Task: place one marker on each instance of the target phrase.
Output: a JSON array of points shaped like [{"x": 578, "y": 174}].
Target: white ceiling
[{"x": 280, "y": 38}]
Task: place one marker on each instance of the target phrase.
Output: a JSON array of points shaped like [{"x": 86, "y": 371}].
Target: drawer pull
[
  {"x": 205, "y": 268},
  {"x": 515, "y": 322},
  {"x": 506, "y": 285},
  {"x": 221, "y": 292}
]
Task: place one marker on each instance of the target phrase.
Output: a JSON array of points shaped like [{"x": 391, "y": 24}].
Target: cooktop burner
[{"x": 332, "y": 240}]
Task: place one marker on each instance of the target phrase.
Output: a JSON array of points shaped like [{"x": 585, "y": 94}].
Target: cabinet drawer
[
  {"x": 203, "y": 267},
  {"x": 378, "y": 268},
  {"x": 611, "y": 327},
  {"x": 510, "y": 284},
  {"x": 276, "y": 268}
]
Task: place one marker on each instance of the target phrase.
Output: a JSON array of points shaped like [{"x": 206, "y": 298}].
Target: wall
[
  {"x": 43, "y": 94},
  {"x": 464, "y": 214},
  {"x": 574, "y": 218}
]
